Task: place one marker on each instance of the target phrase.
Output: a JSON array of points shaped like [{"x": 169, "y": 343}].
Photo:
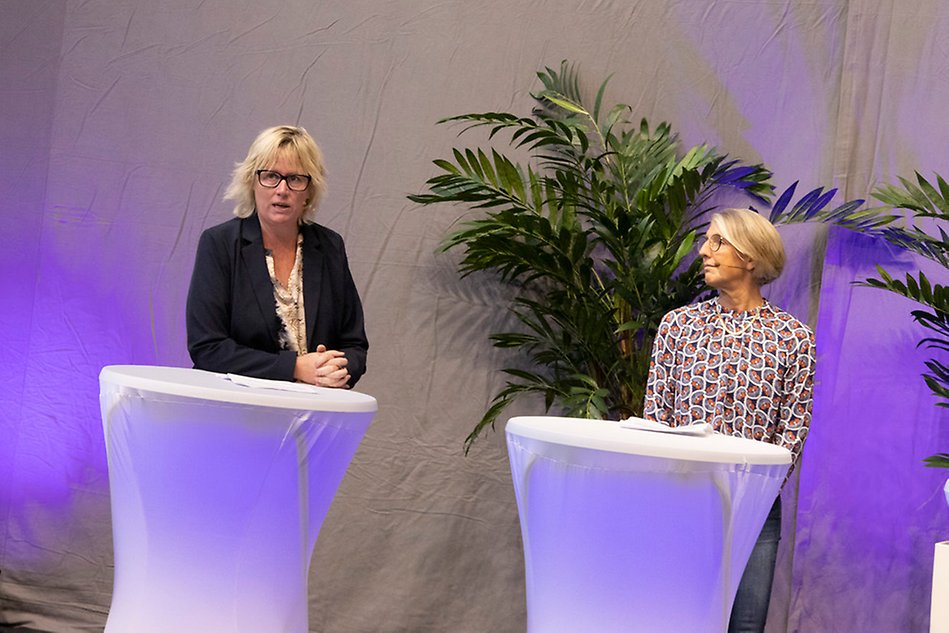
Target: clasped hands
[{"x": 323, "y": 368}]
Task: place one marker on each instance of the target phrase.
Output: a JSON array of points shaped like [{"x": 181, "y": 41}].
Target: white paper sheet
[
  {"x": 638, "y": 424},
  {"x": 279, "y": 385}
]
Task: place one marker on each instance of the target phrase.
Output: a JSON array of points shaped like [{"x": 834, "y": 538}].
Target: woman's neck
[
  {"x": 741, "y": 299},
  {"x": 283, "y": 238}
]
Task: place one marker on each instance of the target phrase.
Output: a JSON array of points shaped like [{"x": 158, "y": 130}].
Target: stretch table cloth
[
  {"x": 218, "y": 493},
  {"x": 636, "y": 531}
]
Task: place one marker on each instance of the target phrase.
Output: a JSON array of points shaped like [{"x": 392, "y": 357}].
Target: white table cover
[
  {"x": 218, "y": 494},
  {"x": 939, "y": 609},
  {"x": 636, "y": 531}
]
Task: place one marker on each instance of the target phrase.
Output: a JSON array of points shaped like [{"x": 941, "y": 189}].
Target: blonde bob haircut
[
  {"x": 756, "y": 239},
  {"x": 270, "y": 144}
]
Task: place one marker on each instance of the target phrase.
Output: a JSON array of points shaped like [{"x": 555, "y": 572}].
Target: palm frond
[
  {"x": 936, "y": 319},
  {"x": 939, "y": 460},
  {"x": 813, "y": 207},
  {"x": 920, "y": 197}
]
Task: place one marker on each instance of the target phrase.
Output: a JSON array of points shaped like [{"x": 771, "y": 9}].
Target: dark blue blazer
[{"x": 231, "y": 316}]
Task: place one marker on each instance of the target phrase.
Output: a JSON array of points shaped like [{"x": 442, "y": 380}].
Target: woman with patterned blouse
[{"x": 741, "y": 364}]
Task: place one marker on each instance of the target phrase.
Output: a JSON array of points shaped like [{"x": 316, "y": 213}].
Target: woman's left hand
[{"x": 323, "y": 368}]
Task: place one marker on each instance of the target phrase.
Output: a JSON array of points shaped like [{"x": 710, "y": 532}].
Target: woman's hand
[{"x": 323, "y": 368}]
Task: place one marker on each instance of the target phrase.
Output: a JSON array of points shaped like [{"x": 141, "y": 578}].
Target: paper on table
[
  {"x": 703, "y": 428},
  {"x": 279, "y": 385}
]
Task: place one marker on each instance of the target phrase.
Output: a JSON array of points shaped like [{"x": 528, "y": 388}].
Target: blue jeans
[{"x": 754, "y": 591}]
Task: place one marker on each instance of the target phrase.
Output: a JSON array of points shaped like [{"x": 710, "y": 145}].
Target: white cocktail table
[
  {"x": 218, "y": 493},
  {"x": 629, "y": 530}
]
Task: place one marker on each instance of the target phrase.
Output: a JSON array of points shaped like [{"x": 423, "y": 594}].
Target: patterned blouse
[
  {"x": 289, "y": 302},
  {"x": 748, "y": 374}
]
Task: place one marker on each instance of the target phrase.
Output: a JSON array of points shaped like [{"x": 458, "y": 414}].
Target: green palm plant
[
  {"x": 924, "y": 202},
  {"x": 594, "y": 232}
]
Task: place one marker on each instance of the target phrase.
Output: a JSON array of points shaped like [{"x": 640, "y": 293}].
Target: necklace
[{"x": 746, "y": 324}]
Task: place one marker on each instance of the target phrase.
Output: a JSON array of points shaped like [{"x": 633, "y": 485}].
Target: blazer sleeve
[
  {"x": 221, "y": 336},
  {"x": 348, "y": 333}
]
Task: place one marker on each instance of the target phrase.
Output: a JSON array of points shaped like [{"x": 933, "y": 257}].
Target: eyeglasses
[
  {"x": 715, "y": 242},
  {"x": 271, "y": 180}
]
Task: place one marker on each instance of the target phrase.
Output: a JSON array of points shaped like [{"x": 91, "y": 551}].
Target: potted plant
[{"x": 596, "y": 231}]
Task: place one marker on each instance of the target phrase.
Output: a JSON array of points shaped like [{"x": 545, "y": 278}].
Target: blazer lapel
[
  {"x": 312, "y": 282},
  {"x": 252, "y": 258}
]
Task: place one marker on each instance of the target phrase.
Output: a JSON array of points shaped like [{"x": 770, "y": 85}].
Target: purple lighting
[{"x": 120, "y": 123}]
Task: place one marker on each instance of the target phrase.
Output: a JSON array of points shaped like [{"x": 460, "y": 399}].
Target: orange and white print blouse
[{"x": 748, "y": 374}]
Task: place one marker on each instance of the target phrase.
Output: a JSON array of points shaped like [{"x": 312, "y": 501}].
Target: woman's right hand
[{"x": 323, "y": 368}]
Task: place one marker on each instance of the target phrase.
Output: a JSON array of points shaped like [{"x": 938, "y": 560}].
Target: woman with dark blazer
[{"x": 271, "y": 294}]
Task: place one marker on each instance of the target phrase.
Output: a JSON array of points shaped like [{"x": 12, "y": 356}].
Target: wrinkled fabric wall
[{"x": 121, "y": 121}]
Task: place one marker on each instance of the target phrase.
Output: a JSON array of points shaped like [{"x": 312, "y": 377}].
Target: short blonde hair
[
  {"x": 756, "y": 238},
  {"x": 269, "y": 144}
]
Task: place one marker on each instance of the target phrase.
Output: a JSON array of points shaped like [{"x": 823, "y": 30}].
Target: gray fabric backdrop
[{"x": 121, "y": 121}]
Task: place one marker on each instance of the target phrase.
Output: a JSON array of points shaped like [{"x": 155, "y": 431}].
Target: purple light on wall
[
  {"x": 28, "y": 76},
  {"x": 866, "y": 502}
]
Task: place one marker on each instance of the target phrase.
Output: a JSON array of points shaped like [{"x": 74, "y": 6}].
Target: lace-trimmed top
[{"x": 289, "y": 302}]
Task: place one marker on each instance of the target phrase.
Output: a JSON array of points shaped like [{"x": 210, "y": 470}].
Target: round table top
[
  {"x": 605, "y": 435},
  {"x": 206, "y": 385}
]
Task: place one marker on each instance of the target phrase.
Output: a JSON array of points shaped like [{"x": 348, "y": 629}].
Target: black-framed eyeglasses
[
  {"x": 271, "y": 179},
  {"x": 715, "y": 242}
]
